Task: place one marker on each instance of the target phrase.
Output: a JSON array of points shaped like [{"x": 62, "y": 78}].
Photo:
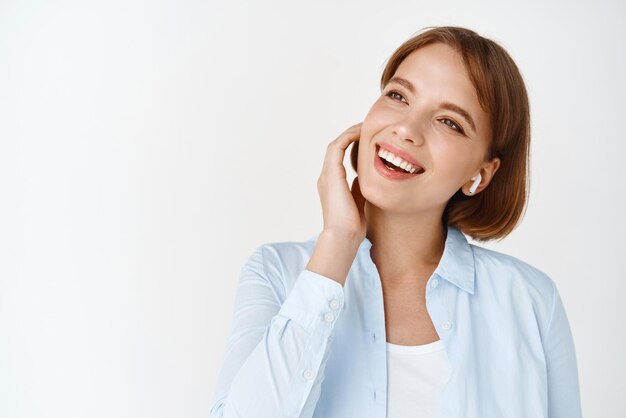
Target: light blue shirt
[{"x": 303, "y": 345}]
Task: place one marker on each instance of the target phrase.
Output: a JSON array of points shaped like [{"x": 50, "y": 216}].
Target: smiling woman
[
  {"x": 496, "y": 119},
  {"x": 389, "y": 312}
]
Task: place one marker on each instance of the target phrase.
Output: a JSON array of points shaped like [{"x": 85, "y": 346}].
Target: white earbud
[{"x": 475, "y": 184}]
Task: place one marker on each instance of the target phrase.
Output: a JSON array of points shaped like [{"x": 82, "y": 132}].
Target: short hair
[{"x": 493, "y": 213}]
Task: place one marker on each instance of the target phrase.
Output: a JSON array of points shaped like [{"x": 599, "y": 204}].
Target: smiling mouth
[{"x": 394, "y": 167}]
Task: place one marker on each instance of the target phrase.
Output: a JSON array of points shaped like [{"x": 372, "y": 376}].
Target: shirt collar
[{"x": 457, "y": 261}]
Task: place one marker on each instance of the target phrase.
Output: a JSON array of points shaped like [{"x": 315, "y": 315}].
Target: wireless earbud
[{"x": 476, "y": 183}]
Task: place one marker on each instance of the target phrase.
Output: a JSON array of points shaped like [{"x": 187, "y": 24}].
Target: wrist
[
  {"x": 334, "y": 254},
  {"x": 346, "y": 238}
]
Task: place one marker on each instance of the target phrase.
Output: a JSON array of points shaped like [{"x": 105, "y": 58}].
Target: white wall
[{"x": 123, "y": 225}]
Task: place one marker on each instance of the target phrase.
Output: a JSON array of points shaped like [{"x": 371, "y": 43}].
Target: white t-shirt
[{"x": 416, "y": 374}]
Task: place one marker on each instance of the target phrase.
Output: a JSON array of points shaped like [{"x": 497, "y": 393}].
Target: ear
[
  {"x": 354, "y": 155},
  {"x": 487, "y": 171}
]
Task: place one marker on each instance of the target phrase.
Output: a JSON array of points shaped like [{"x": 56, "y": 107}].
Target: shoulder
[
  {"x": 510, "y": 278},
  {"x": 505, "y": 268}
]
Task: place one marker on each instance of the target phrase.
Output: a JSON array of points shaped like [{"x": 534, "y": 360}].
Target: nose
[{"x": 410, "y": 128}]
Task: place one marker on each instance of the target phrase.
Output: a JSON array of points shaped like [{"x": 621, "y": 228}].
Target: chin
[{"x": 378, "y": 196}]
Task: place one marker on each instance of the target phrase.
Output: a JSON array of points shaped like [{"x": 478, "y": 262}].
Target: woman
[{"x": 389, "y": 311}]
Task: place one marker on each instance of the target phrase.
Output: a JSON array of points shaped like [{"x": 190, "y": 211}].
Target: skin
[{"x": 404, "y": 217}]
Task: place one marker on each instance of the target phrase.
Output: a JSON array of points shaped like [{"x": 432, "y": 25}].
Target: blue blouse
[{"x": 303, "y": 345}]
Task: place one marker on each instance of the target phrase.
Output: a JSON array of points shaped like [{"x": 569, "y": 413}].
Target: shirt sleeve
[
  {"x": 275, "y": 355},
  {"x": 563, "y": 385}
]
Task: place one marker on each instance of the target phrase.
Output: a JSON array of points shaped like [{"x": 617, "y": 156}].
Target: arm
[
  {"x": 275, "y": 355},
  {"x": 563, "y": 385}
]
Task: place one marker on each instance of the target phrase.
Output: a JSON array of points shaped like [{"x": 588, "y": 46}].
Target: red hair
[{"x": 496, "y": 211}]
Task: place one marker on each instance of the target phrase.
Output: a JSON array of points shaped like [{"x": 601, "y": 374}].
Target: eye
[
  {"x": 459, "y": 129},
  {"x": 455, "y": 126},
  {"x": 391, "y": 92}
]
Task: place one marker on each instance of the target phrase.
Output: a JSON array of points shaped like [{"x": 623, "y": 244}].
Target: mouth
[{"x": 395, "y": 164}]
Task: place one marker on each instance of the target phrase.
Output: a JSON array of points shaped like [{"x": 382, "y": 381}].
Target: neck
[{"x": 406, "y": 249}]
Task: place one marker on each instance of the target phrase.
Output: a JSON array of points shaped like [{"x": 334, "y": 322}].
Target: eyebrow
[{"x": 444, "y": 105}]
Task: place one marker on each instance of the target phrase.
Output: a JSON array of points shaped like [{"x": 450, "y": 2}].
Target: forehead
[{"x": 437, "y": 63}]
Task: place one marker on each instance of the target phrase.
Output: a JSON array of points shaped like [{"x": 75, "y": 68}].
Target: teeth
[{"x": 395, "y": 160}]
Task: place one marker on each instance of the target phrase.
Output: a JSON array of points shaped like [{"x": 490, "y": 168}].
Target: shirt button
[
  {"x": 308, "y": 374},
  {"x": 334, "y": 304},
  {"x": 434, "y": 283},
  {"x": 446, "y": 325},
  {"x": 328, "y": 317}
]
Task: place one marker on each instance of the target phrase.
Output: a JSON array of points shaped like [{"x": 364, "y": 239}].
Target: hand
[{"x": 342, "y": 207}]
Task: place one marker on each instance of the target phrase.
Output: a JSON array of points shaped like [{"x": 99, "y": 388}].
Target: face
[{"x": 440, "y": 139}]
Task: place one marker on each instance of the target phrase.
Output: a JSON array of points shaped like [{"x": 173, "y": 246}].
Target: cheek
[
  {"x": 449, "y": 161},
  {"x": 368, "y": 131},
  {"x": 453, "y": 162},
  {"x": 363, "y": 152},
  {"x": 378, "y": 115}
]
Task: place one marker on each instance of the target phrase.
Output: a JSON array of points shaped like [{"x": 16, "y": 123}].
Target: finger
[{"x": 336, "y": 150}]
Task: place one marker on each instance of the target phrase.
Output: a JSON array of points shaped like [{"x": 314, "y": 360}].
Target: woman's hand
[{"x": 342, "y": 207}]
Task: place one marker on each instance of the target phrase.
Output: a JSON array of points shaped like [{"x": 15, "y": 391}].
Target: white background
[{"x": 147, "y": 147}]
